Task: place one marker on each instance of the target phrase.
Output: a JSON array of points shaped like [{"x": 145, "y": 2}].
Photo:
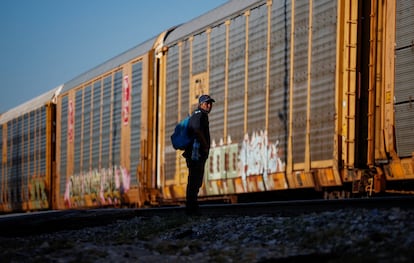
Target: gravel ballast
[{"x": 348, "y": 235}]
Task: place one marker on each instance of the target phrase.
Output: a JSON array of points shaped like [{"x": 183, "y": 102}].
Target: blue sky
[{"x": 45, "y": 43}]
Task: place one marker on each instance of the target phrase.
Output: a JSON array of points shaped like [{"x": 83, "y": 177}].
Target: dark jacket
[{"x": 199, "y": 128}]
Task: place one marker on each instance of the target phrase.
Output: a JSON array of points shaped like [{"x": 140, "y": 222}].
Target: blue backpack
[{"x": 181, "y": 139}]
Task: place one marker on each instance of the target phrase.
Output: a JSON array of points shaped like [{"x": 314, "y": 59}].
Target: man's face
[{"x": 206, "y": 106}]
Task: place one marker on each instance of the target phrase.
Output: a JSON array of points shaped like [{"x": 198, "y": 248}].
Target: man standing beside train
[{"x": 196, "y": 154}]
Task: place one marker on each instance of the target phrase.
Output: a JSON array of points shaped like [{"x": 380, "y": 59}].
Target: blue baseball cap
[{"x": 205, "y": 98}]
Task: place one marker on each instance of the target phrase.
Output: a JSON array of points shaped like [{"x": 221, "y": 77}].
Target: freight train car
[
  {"x": 309, "y": 95},
  {"x": 105, "y": 133},
  {"x": 27, "y": 143}
]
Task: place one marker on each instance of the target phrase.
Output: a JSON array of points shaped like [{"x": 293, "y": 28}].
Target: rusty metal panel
[
  {"x": 404, "y": 129},
  {"x": 323, "y": 80},
  {"x": 404, "y": 23}
]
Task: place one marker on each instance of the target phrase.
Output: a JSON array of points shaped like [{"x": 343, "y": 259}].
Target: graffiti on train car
[
  {"x": 37, "y": 192},
  {"x": 97, "y": 188},
  {"x": 125, "y": 101},
  {"x": 259, "y": 156},
  {"x": 257, "y": 166}
]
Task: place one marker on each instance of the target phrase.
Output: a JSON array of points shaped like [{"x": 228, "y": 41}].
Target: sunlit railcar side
[
  {"x": 27, "y": 143},
  {"x": 256, "y": 60},
  {"x": 396, "y": 54},
  {"x": 310, "y": 95},
  {"x": 377, "y": 127},
  {"x": 306, "y": 96},
  {"x": 104, "y": 138}
]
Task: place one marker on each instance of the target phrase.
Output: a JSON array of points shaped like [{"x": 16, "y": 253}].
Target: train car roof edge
[
  {"x": 110, "y": 64},
  {"x": 172, "y": 35},
  {"x": 210, "y": 19},
  {"x": 33, "y": 104}
]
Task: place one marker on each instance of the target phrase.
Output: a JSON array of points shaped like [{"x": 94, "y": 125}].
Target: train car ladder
[{"x": 349, "y": 81}]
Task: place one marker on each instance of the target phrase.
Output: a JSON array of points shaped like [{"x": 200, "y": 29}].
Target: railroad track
[{"x": 51, "y": 221}]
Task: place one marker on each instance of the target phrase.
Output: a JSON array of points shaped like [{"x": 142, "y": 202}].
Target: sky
[{"x": 45, "y": 43}]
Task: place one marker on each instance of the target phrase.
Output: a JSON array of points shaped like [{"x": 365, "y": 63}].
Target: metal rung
[{"x": 351, "y": 69}]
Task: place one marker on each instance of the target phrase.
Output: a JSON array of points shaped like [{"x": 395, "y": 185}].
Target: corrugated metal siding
[
  {"x": 41, "y": 122},
  {"x": 185, "y": 77},
  {"x": 257, "y": 60},
  {"x": 96, "y": 122},
  {"x": 87, "y": 123},
  {"x": 77, "y": 167},
  {"x": 117, "y": 119},
  {"x": 136, "y": 113},
  {"x": 405, "y": 22},
  {"x": 96, "y": 140},
  {"x": 217, "y": 70},
  {"x": 279, "y": 73},
  {"x": 63, "y": 144},
  {"x": 404, "y": 79},
  {"x": 300, "y": 80},
  {"x": 32, "y": 143},
  {"x": 236, "y": 83},
  {"x": 26, "y": 154},
  {"x": 106, "y": 122},
  {"x": 199, "y": 53},
  {"x": 404, "y": 129},
  {"x": 245, "y": 110},
  {"x": 404, "y": 65},
  {"x": 25, "y": 165},
  {"x": 323, "y": 80},
  {"x": 10, "y": 166},
  {"x": 171, "y": 109}
]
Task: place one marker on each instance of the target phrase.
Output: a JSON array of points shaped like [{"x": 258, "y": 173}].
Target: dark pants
[{"x": 195, "y": 180}]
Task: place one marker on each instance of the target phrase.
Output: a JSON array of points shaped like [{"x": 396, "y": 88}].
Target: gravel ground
[{"x": 349, "y": 235}]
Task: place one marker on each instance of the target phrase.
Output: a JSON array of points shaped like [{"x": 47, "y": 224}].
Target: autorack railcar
[
  {"x": 105, "y": 138},
  {"x": 27, "y": 143},
  {"x": 310, "y": 95}
]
